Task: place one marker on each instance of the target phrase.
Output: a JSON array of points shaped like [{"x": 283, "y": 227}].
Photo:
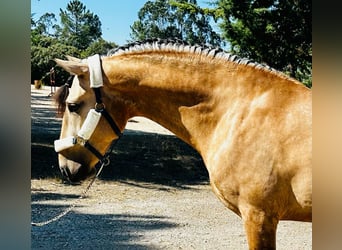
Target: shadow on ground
[
  {"x": 138, "y": 156},
  {"x": 117, "y": 231}
]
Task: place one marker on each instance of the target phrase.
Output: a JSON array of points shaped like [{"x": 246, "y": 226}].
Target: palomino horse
[{"x": 251, "y": 124}]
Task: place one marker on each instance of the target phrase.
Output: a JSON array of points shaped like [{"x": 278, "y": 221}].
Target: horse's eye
[{"x": 73, "y": 107}]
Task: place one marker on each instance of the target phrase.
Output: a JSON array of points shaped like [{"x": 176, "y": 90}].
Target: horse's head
[{"x": 88, "y": 126}]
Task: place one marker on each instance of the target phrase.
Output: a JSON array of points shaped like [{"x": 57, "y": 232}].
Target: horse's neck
[{"x": 187, "y": 99}]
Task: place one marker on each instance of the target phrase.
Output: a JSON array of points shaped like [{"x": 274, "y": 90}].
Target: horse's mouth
[
  {"x": 67, "y": 177},
  {"x": 76, "y": 178}
]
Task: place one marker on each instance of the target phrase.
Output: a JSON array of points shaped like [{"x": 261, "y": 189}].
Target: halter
[{"x": 93, "y": 117}]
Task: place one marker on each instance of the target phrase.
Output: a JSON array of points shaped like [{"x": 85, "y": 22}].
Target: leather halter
[
  {"x": 82, "y": 138},
  {"x": 96, "y": 83},
  {"x": 100, "y": 108}
]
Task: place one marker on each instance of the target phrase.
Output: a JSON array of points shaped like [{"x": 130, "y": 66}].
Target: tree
[
  {"x": 271, "y": 31},
  {"x": 80, "y": 27},
  {"x": 49, "y": 40},
  {"x": 164, "y": 19},
  {"x": 42, "y": 55},
  {"x": 46, "y": 24},
  {"x": 45, "y": 46},
  {"x": 100, "y": 46},
  {"x": 274, "y": 32}
]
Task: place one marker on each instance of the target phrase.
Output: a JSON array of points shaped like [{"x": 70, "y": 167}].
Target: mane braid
[{"x": 177, "y": 45}]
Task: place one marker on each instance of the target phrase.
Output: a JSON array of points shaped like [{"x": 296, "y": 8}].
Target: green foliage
[
  {"x": 275, "y": 32},
  {"x": 42, "y": 55},
  {"x": 268, "y": 31},
  {"x": 45, "y": 24},
  {"x": 80, "y": 27},
  {"x": 79, "y": 35},
  {"x": 171, "y": 19},
  {"x": 100, "y": 46}
]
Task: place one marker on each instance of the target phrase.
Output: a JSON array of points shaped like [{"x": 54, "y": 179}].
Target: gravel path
[{"x": 154, "y": 195}]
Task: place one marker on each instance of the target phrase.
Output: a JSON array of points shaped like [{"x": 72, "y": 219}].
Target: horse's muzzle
[{"x": 75, "y": 172}]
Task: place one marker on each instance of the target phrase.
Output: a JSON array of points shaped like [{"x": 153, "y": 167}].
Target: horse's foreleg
[{"x": 260, "y": 229}]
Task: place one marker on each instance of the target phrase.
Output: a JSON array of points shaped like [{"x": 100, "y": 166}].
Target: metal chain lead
[{"x": 66, "y": 211}]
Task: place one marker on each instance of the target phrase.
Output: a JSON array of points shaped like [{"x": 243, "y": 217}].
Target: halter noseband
[{"x": 93, "y": 117}]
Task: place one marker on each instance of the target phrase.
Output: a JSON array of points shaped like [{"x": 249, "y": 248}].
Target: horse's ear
[
  {"x": 75, "y": 68},
  {"x": 73, "y": 59}
]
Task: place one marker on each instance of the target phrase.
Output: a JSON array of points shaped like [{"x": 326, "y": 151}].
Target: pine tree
[{"x": 80, "y": 27}]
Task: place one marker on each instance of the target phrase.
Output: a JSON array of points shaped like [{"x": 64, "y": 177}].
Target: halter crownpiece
[{"x": 95, "y": 71}]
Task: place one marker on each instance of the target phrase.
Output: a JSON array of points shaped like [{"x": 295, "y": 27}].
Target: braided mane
[{"x": 182, "y": 46}]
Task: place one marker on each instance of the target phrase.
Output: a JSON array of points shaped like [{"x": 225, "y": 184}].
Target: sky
[{"x": 116, "y": 16}]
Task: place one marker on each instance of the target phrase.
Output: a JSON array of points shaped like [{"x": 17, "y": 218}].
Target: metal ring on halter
[
  {"x": 99, "y": 107},
  {"x": 106, "y": 161}
]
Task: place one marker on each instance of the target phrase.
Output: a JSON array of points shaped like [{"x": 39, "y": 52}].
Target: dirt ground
[{"x": 155, "y": 194}]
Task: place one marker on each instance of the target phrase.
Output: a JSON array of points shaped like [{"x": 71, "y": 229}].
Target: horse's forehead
[{"x": 76, "y": 91}]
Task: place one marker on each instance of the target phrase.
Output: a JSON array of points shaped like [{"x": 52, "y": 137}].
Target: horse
[{"x": 251, "y": 124}]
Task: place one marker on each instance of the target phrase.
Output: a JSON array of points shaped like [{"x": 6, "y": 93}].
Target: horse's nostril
[
  {"x": 65, "y": 172},
  {"x": 70, "y": 176},
  {"x": 74, "y": 172}
]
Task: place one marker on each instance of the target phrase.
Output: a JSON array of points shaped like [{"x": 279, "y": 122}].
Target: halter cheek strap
[
  {"x": 96, "y": 83},
  {"x": 93, "y": 117}
]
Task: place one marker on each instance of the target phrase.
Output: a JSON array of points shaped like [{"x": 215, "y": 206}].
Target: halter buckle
[
  {"x": 80, "y": 140},
  {"x": 99, "y": 107}
]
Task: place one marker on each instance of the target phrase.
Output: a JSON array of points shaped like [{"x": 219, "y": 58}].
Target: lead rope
[{"x": 66, "y": 211}]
